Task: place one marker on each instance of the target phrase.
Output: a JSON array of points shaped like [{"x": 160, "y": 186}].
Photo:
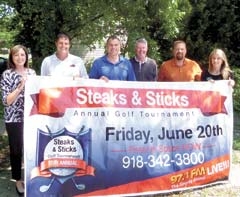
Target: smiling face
[
  {"x": 179, "y": 51},
  {"x": 113, "y": 47},
  {"x": 141, "y": 50},
  {"x": 19, "y": 58},
  {"x": 63, "y": 46},
  {"x": 216, "y": 61}
]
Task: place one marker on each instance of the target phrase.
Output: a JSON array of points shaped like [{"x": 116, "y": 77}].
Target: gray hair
[{"x": 141, "y": 40}]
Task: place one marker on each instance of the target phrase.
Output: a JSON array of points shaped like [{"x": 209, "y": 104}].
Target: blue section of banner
[{"x": 100, "y": 149}]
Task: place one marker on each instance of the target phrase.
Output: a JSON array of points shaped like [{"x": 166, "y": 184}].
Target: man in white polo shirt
[{"x": 62, "y": 63}]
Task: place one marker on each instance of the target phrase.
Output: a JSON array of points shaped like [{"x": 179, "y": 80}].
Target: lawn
[{"x": 236, "y": 133}]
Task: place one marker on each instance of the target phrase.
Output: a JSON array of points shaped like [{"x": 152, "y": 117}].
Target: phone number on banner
[{"x": 163, "y": 160}]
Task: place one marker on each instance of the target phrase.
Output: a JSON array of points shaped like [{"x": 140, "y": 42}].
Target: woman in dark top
[{"x": 218, "y": 68}]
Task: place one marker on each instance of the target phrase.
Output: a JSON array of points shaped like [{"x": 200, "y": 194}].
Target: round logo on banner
[{"x": 60, "y": 148}]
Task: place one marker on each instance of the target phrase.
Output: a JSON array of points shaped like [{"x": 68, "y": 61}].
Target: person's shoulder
[
  {"x": 7, "y": 73},
  {"x": 133, "y": 61},
  {"x": 100, "y": 59},
  {"x": 50, "y": 57},
  {"x": 205, "y": 74},
  {"x": 9, "y": 70},
  {"x": 31, "y": 71},
  {"x": 188, "y": 60},
  {"x": 75, "y": 57},
  {"x": 124, "y": 59},
  {"x": 121, "y": 57},
  {"x": 151, "y": 60},
  {"x": 167, "y": 62}
]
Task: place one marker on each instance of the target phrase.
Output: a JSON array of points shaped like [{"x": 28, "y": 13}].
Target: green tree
[
  {"x": 214, "y": 24},
  {"x": 166, "y": 24},
  {"x": 6, "y": 36},
  {"x": 90, "y": 21}
]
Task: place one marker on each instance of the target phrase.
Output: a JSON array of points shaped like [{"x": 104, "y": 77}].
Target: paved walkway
[{"x": 235, "y": 175}]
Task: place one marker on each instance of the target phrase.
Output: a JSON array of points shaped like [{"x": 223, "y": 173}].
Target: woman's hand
[
  {"x": 231, "y": 82},
  {"x": 22, "y": 83}
]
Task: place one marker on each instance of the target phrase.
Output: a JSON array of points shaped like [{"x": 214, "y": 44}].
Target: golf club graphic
[
  {"x": 78, "y": 186},
  {"x": 66, "y": 165},
  {"x": 45, "y": 188}
]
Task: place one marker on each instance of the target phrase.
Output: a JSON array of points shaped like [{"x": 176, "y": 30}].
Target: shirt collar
[{"x": 146, "y": 58}]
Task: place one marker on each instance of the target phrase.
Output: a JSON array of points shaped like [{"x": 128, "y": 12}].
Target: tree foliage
[
  {"x": 90, "y": 21},
  {"x": 6, "y": 37},
  {"x": 166, "y": 24},
  {"x": 214, "y": 24},
  {"x": 204, "y": 24}
]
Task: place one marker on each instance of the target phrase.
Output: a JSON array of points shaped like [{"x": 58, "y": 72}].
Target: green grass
[
  {"x": 236, "y": 132},
  {"x": 4, "y": 152}
]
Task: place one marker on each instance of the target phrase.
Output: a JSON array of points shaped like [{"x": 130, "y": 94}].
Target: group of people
[{"x": 111, "y": 66}]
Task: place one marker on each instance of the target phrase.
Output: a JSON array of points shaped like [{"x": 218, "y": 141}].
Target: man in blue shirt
[{"x": 112, "y": 66}]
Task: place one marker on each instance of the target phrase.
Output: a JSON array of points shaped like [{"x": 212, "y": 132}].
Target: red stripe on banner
[
  {"x": 63, "y": 163},
  {"x": 208, "y": 172},
  {"x": 80, "y": 165},
  {"x": 54, "y": 101}
]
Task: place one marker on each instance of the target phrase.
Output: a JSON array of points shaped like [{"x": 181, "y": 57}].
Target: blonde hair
[{"x": 225, "y": 68}]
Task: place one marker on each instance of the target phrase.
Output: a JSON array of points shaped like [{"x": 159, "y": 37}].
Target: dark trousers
[{"x": 15, "y": 139}]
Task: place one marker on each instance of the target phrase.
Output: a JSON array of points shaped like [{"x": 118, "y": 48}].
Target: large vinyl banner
[{"x": 88, "y": 137}]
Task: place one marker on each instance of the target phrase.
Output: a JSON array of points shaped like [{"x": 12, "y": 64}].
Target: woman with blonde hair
[{"x": 218, "y": 68}]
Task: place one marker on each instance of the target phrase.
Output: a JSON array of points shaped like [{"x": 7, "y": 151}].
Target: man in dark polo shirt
[{"x": 144, "y": 67}]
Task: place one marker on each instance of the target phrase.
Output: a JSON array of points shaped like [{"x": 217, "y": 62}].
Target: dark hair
[
  {"x": 13, "y": 51},
  {"x": 113, "y": 37},
  {"x": 62, "y": 35}
]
